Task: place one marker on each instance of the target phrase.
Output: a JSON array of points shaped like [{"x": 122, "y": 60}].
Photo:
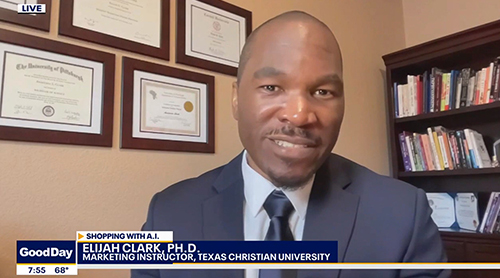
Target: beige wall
[
  {"x": 430, "y": 19},
  {"x": 50, "y": 191}
]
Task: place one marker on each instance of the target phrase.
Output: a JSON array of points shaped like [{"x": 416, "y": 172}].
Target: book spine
[
  {"x": 428, "y": 152},
  {"x": 396, "y": 102},
  {"x": 418, "y": 153},
  {"x": 480, "y": 91},
  {"x": 433, "y": 149},
  {"x": 472, "y": 155},
  {"x": 456, "y": 151},
  {"x": 438, "y": 148},
  {"x": 421, "y": 150},
  {"x": 432, "y": 81},
  {"x": 496, "y": 91},
  {"x": 452, "y": 86},
  {"x": 458, "y": 90},
  {"x": 471, "y": 89},
  {"x": 411, "y": 152},
  {"x": 443, "y": 149},
  {"x": 425, "y": 89},
  {"x": 461, "y": 149},
  {"x": 405, "y": 153},
  {"x": 487, "y": 84},
  {"x": 437, "y": 96},
  {"x": 477, "y": 86},
  {"x": 470, "y": 165},
  {"x": 449, "y": 145},
  {"x": 491, "y": 213},
  {"x": 486, "y": 212},
  {"x": 444, "y": 92},
  {"x": 480, "y": 148},
  {"x": 492, "y": 222},
  {"x": 493, "y": 81},
  {"x": 465, "y": 87},
  {"x": 404, "y": 100}
]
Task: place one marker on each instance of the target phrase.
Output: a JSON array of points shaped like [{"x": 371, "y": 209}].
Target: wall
[
  {"x": 430, "y": 19},
  {"x": 49, "y": 191}
]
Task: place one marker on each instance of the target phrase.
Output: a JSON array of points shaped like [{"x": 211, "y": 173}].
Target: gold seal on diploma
[{"x": 188, "y": 106}]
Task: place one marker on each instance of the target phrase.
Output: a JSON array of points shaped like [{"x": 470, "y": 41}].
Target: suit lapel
[
  {"x": 223, "y": 213},
  {"x": 331, "y": 212}
]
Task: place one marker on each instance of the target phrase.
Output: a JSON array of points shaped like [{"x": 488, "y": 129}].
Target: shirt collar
[{"x": 257, "y": 188}]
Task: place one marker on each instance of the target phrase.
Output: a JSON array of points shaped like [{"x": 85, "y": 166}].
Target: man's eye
[
  {"x": 323, "y": 93},
  {"x": 270, "y": 88}
]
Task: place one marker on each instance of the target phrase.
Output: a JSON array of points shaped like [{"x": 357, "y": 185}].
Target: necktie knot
[{"x": 278, "y": 205}]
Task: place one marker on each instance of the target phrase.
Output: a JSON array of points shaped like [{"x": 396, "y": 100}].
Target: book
[{"x": 405, "y": 152}]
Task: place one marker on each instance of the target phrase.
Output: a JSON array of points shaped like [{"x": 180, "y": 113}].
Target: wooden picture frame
[
  {"x": 55, "y": 98},
  {"x": 67, "y": 28},
  {"x": 174, "y": 93},
  {"x": 38, "y": 21},
  {"x": 185, "y": 50}
]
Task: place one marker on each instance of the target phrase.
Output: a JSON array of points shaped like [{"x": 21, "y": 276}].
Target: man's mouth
[{"x": 286, "y": 144}]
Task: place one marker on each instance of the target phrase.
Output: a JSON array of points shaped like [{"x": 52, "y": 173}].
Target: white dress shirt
[{"x": 255, "y": 218}]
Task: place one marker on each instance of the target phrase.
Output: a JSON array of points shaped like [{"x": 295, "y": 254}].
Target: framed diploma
[
  {"x": 211, "y": 34},
  {"x": 167, "y": 109},
  {"x": 54, "y": 92},
  {"x": 455, "y": 211},
  {"x": 8, "y": 13},
  {"x": 140, "y": 26}
]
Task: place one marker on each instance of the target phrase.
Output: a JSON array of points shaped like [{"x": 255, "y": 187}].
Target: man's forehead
[
  {"x": 293, "y": 36},
  {"x": 280, "y": 56}
]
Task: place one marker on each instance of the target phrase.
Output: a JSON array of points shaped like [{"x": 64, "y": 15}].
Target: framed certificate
[
  {"x": 211, "y": 34},
  {"x": 8, "y": 13},
  {"x": 140, "y": 26},
  {"x": 54, "y": 92},
  {"x": 167, "y": 109}
]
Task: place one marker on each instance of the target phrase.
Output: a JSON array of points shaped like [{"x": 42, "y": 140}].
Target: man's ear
[{"x": 234, "y": 101}]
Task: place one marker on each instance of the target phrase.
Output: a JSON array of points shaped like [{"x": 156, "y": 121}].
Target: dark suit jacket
[{"x": 374, "y": 219}]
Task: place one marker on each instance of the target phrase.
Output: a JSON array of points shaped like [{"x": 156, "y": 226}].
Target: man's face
[{"x": 290, "y": 103}]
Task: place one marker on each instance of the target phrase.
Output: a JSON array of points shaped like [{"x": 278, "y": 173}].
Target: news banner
[{"x": 158, "y": 250}]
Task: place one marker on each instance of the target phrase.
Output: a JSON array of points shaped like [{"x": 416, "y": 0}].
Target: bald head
[{"x": 275, "y": 24}]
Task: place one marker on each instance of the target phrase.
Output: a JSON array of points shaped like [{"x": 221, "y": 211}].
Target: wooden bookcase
[{"x": 474, "y": 48}]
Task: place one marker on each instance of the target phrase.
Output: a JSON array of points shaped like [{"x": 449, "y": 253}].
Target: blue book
[
  {"x": 453, "y": 88},
  {"x": 396, "y": 104}
]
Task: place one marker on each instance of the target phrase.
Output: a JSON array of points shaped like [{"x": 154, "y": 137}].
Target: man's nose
[{"x": 298, "y": 111}]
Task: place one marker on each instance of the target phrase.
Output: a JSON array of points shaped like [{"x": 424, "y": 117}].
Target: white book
[
  {"x": 481, "y": 86},
  {"x": 400, "y": 101},
  {"x": 480, "y": 150},
  {"x": 411, "y": 94},
  {"x": 406, "y": 103},
  {"x": 440, "y": 133},
  {"x": 458, "y": 91}
]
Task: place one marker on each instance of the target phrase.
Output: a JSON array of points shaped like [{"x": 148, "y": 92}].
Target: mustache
[{"x": 294, "y": 132}]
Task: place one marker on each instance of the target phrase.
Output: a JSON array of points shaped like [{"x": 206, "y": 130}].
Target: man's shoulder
[
  {"x": 367, "y": 181},
  {"x": 199, "y": 186}
]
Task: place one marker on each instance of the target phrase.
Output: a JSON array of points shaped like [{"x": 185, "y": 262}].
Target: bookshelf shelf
[
  {"x": 470, "y": 111},
  {"x": 458, "y": 172},
  {"x": 459, "y": 234},
  {"x": 465, "y": 52}
]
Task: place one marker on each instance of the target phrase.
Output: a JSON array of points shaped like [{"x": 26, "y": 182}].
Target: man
[{"x": 289, "y": 104}]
